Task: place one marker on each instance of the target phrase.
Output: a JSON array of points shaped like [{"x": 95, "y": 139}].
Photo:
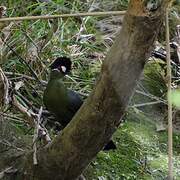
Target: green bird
[{"x": 59, "y": 100}]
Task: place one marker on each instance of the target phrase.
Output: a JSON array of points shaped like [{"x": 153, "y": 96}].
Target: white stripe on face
[{"x": 63, "y": 68}]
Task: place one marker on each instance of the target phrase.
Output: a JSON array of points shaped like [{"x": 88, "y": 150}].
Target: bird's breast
[{"x": 55, "y": 97}]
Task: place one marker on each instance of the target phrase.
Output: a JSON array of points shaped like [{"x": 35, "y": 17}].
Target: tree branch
[{"x": 108, "y": 13}]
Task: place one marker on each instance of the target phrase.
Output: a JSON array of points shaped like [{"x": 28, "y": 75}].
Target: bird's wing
[{"x": 75, "y": 102}]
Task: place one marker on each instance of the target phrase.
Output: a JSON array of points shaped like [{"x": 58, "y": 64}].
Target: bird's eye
[{"x": 63, "y": 68}]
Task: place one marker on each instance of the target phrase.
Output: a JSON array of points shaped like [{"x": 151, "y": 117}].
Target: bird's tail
[{"x": 110, "y": 146}]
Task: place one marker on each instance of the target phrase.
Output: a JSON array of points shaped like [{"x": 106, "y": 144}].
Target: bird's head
[{"x": 61, "y": 66}]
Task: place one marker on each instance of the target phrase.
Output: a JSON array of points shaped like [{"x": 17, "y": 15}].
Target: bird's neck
[{"x": 56, "y": 76}]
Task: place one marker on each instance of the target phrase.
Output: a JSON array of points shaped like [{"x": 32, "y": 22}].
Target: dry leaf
[
  {"x": 4, "y": 89},
  {"x": 18, "y": 85},
  {"x": 2, "y": 14}
]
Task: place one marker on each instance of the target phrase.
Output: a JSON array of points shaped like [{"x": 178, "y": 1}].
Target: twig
[
  {"x": 39, "y": 131},
  {"x": 28, "y": 113},
  {"x": 84, "y": 20},
  {"x": 146, "y": 104},
  {"x": 9, "y": 116},
  {"x": 6, "y": 87},
  {"x": 24, "y": 76},
  {"x": 31, "y": 119},
  {"x": 170, "y": 135},
  {"x": 3, "y": 172},
  {"x": 7, "y": 143},
  {"x": 36, "y": 135},
  {"x": 108, "y": 13},
  {"x": 152, "y": 96},
  {"x": 178, "y": 41}
]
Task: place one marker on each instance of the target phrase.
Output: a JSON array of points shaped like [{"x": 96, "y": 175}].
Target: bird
[
  {"x": 62, "y": 102},
  {"x": 59, "y": 100}
]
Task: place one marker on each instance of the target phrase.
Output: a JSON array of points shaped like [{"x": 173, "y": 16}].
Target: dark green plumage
[{"x": 63, "y": 103}]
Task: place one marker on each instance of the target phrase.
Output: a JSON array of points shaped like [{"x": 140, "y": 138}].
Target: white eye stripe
[{"x": 63, "y": 68}]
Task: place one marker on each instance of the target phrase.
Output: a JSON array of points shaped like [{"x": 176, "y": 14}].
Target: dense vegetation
[{"x": 142, "y": 151}]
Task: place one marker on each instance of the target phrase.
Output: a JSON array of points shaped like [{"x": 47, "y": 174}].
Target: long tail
[{"x": 110, "y": 146}]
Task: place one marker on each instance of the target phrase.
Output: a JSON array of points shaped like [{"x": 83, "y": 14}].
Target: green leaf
[{"x": 175, "y": 97}]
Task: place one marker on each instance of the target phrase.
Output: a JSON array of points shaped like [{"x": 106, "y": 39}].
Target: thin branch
[
  {"x": 151, "y": 96},
  {"x": 3, "y": 172},
  {"x": 146, "y": 104},
  {"x": 24, "y": 76},
  {"x": 31, "y": 120},
  {"x": 36, "y": 135},
  {"x": 108, "y": 13},
  {"x": 27, "y": 112},
  {"x": 12, "y": 117},
  {"x": 170, "y": 133},
  {"x": 7, "y": 143},
  {"x": 6, "y": 87}
]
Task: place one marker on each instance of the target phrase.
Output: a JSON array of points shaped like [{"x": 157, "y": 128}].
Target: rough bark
[{"x": 92, "y": 127}]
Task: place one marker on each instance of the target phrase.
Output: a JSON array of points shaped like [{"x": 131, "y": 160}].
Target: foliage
[
  {"x": 141, "y": 154},
  {"x": 175, "y": 96},
  {"x": 121, "y": 163},
  {"x": 154, "y": 78}
]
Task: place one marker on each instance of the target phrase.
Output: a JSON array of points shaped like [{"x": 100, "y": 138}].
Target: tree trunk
[{"x": 92, "y": 127}]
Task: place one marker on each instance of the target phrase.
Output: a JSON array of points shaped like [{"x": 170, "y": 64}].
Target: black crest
[{"x": 62, "y": 61}]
